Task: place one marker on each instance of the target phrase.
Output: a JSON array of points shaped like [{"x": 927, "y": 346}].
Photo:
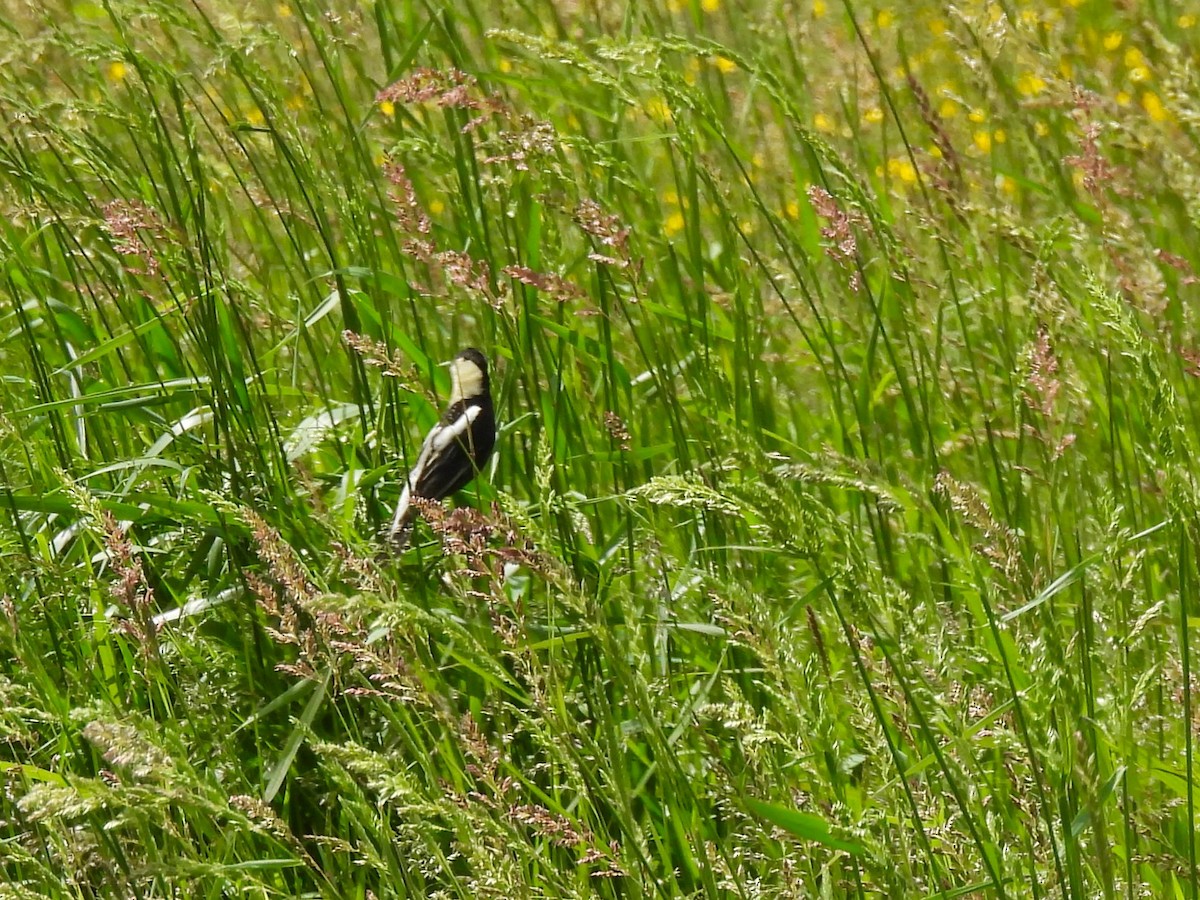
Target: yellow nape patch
[{"x": 466, "y": 379}]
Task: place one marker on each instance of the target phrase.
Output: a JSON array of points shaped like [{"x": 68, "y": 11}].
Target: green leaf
[
  {"x": 279, "y": 771},
  {"x": 806, "y": 826}
]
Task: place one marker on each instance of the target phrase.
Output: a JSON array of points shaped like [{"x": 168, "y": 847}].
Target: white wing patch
[{"x": 441, "y": 438}]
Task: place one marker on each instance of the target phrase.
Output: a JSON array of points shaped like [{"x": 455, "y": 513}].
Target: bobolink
[{"x": 457, "y": 447}]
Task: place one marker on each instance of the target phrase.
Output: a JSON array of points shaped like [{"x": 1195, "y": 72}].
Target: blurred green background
[{"x": 840, "y": 540}]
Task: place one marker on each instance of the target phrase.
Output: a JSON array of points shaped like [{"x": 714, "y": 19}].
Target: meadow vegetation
[{"x": 841, "y": 537}]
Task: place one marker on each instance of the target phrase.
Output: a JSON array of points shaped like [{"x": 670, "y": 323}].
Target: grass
[{"x": 841, "y": 537}]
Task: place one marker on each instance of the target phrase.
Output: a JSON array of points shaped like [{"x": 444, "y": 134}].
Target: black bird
[{"x": 457, "y": 447}]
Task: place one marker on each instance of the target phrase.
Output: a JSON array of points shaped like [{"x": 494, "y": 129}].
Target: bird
[{"x": 456, "y": 448}]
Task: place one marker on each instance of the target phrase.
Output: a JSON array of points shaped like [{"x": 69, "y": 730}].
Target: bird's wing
[
  {"x": 439, "y": 438},
  {"x": 450, "y": 462}
]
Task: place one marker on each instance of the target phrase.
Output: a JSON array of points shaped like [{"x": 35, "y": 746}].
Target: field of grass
[{"x": 842, "y": 534}]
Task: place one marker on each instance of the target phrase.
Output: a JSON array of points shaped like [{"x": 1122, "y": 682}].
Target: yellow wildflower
[
  {"x": 674, "y": 223},
  {"x": 1123, "y": 98},
  {"x": 977, "y": 115},
  {"x": 387, "y": 107},
  {"x": 792, "y": 209},
  {"x": 823, "y": 123},
  {"x": 1112, "y": 40},
  {"x": 819, "y": 8},
  {"x": 999, "y": 136},
  {"x": 1041, "y": 129},
  {"x": 885, "y": 18},
  {"x": 983, "y": 140},
  {"x": 903, "y": 170},
  {"x": 117, "y": 71},
  {"x": 1154, "y": 107},
  {"x": 948, "y": 109},
  {"x": 724, "y": 64},
  {"x": 710, "y": 6},
  {"x": 1138, "y": 74},
  {"x": 1030, "y": 84},
  {"x": 1187, "y": 20},
  {"x": 874, "y": 115},
  {"x": 1133, "y": 57},
  {"x": 436, "y": 207}
]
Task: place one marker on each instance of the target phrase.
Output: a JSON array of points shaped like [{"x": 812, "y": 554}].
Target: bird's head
[{"x": 468, "y": 375}]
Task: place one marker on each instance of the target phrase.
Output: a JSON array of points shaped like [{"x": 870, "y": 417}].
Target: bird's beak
[{"x": 447, "y": 364}]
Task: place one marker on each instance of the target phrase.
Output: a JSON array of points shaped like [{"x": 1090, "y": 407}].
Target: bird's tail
[{"x": 401, "y": 532}]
